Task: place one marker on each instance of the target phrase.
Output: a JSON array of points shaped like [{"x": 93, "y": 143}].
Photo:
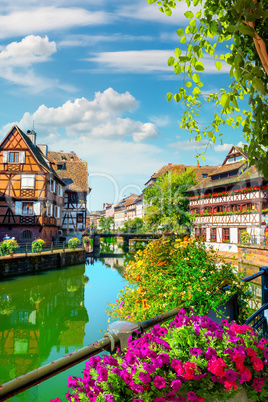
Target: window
[
  {"x": 27, "y": 208},
  {"x": 13, "y": 157},
  {"x": 204, "y": 175},
  {"x": 226, "y": 235},
  {"x": 56, "y": 211},
  {"x": 213, "y": 234},
  {"x": 80, "y": 217},
  {"x": 26, "y": 235},
  {"x": 27, "y": 181},
  {"x": 73, "y": 198}
]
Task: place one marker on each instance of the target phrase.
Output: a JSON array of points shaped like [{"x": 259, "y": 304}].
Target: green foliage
[
  {"x": 73, "y": 243},
  {"x": 106, "y": 224},
  {"x": 7, "y": 247},
  {"x": 177, "y": 273},
  {"x": 245, "y": 237},
  {"x": 135, "y": 225},
  {"x": 168, "y": 202},
  {"x": 37, "y": 245},
  {"x": 234, "y": 34}
]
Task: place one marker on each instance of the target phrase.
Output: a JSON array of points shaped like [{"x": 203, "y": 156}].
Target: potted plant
[
  {"x": 193, "y": 359},
  {"x": 73, "y": 243},
  {"x": 86, "y": 242},
  {"x": 7, "y": 247},
  {"x": 37, "y": 245}
]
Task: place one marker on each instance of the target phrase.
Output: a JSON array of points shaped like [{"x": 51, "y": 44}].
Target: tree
[
  {"x": 106, "y": 224},
  {"x": 168, "y": 201},
  {"x": 240, "y": 28},
  {"x": 135, "y": 225}
]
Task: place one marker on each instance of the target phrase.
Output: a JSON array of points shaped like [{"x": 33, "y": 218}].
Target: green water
[{"x": 45, "y": 316}]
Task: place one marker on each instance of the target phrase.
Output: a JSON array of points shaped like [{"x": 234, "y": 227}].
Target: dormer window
[{"x": 61, "y": 166}]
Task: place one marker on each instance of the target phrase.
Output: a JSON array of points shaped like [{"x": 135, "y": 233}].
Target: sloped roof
[
  {"x": 248, "y": 174},
  {"x": 130, "y": 199},
  {"x": 180, "y": 168},
  {"x": 35, "y": 150},
  {"x": 75, "y": 174},
  {"x": 59, "y": 156}
]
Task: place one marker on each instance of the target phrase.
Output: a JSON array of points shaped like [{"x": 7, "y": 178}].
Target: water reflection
[{"x": 38, "y": 313}]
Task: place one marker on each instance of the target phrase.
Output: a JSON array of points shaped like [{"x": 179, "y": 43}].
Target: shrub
[
  {"x": 245, "y": 238},
  {"x": 177, "y": 273},
  {"x": 7, "y": 247},
  {"x": 194, "y": 359},
  {"x": 73, "y": 243},
  {"x": 37, "y": 245}
]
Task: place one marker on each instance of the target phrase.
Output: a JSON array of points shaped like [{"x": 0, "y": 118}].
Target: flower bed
[
  {"x": 178, "y": 273},
  {"x": 232, "y": 192},
  {"x": 193, "y": 360}
]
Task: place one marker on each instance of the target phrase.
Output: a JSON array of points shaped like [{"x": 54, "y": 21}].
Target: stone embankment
[{"x": 20, "y": 264}]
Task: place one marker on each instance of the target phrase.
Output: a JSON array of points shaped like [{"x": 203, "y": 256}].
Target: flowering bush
[
  {"x": 177, "y": 273},
  {"x": 73, "y": 243},
  {"x": 245, "y": 237},
  {"x": 37, "y": 245},
  {"x": 7, "y": 247},
  {"x": 194, "y": 360}
]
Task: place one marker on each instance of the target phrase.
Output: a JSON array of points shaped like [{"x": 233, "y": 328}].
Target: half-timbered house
[
  {"x": 31, "y": 193},
  {"x": 74, "y": 172},
  {"x": 230, "y": 200}
]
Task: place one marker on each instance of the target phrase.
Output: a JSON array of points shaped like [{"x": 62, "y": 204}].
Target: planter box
[{"x": 230, "y": 309}]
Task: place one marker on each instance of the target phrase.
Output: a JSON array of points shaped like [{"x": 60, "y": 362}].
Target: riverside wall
[
  {"x": 20, "y": 264},
  {"x": 251, "y": 258}
]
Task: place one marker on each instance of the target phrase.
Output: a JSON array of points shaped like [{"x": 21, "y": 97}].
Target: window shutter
[
  {"x": 54, "y": 186},
  {"x": 5, "y": 156},
  {"x": 22, "y": 156},
  {"x": 37, "y": 208},
  {"x": 18, "y": 206}
]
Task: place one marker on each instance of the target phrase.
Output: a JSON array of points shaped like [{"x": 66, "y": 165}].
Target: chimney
[
  {"x": 43, "y": 148},
  {"x": 170, "y": 164},
  {"x": 198, "y": 164},
  {"x": 31, "y": 134}
]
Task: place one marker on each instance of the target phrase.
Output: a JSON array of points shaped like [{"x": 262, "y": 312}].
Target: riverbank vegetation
[{"x": 177, "y": 273}]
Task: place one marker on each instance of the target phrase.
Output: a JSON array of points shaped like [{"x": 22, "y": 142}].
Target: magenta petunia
[
  {"x": 145, "y": 377},
  {"x": 231, "y": 375},
  {"x": 195, "y": 351},
  {"x": 159, "y": 382},
  {"x": 192, "y": 396}
]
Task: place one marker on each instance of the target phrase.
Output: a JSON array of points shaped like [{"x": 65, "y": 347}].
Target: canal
[{"x": 47, "y": 315}]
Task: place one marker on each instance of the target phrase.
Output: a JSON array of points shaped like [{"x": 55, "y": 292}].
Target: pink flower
[
  {"x": 144, "y": 377},
  {"x": 159, "y": 382},
  {"x": 192, "y": 397}
]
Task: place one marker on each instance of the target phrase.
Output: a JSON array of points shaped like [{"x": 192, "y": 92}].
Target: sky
[{"x": 92, "y": 77}]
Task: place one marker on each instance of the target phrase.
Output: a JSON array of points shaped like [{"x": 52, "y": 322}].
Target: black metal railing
[
  {"x": 26, "y": 248},
  {"x": 258, "y": 321}
]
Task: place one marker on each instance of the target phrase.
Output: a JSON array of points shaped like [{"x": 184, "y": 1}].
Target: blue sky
[{"x": 93, "y": 76}]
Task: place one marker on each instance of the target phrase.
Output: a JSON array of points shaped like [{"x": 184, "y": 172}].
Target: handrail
[
  {"x": 254, "y": 315},
  {"x": 43, "y": 373}
]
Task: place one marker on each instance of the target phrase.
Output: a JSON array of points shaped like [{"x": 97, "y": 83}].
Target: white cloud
[
  {"x": 226, "y": 147},
  {"x": 135, "y": 61},
  {"x": 99, "y": 118},
  {"x": 44, "y": 19},
  {"x": 160, "y": 121},
  {"x": 142, "y": 11},
  {"x": 88, "y": 40},
  {"x": 32, "y": 49},
  {"x": 147, "y": 61},
  {"x": 17, "y": 60},
  {"x": 190, "y": 145}
]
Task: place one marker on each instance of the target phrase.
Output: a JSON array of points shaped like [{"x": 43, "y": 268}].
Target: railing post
[
  {"x": 52, "y": 246},
  {"x": 26, "y": 250},
  {"x": 63, "y": 247},
  {"x": 264, "y": 285}
]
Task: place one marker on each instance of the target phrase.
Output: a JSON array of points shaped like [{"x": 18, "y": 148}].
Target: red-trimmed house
[{"x": 230, "y": 200}]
